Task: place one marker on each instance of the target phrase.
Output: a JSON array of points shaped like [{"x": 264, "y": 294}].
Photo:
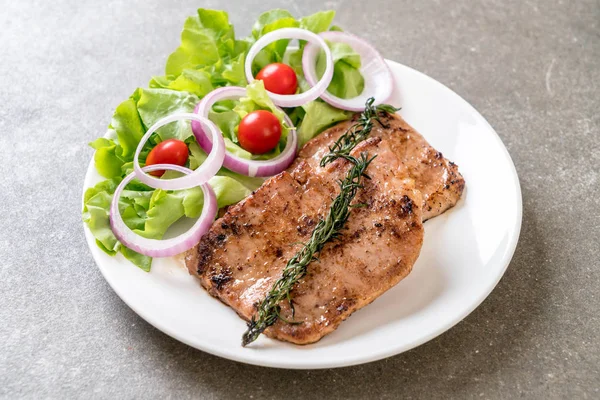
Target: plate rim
[{"x": 377, "y": 355}]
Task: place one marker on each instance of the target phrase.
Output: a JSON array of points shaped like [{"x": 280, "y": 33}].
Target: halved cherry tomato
[
  {"x": 171, "y": 151},
  {"x": 279, "y": 78},
  {"x": 259, "y": 132}
]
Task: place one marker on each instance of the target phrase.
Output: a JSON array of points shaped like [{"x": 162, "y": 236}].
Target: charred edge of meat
[
  {"x": 345, "y": 305},
  {"x": 407, "y": 204},
  {"x": 207, "y": 246},
  {"x": 221, "y": 278},
  {"x": 385, "y": 118},
  {"x": 358, "y": 233},
  {"x": 230, "y": 225},
  {"x": 205, "y": 250}
]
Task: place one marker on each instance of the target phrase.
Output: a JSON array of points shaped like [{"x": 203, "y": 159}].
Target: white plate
[{"x": 465, "y": 253}]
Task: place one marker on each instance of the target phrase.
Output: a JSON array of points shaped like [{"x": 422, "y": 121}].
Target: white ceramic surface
[{"x": 465, "y": 253}]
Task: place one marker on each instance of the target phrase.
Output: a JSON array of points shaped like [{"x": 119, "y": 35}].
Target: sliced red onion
[
  {"x": 317, "y": 88},
  {"x": 237, "y": 164},
  {"x": 202, "y": 174},
  {"x": 165, "y": 247},
  {"x": 374, "y": 69}
]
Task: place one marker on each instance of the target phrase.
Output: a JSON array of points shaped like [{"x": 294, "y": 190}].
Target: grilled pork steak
[{"x": 244, "y": 252}]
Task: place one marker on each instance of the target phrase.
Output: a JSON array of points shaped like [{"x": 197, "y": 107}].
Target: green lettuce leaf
[
  {"x": 128, "y": 126},
  {"x": 269, "y": 18},
  {"x": 137, "y": 259},
  {"x": 108, "y": 157},
  {"x": 198, "y": 47},
  {"x": 154, "y": 104},
  {"x": 318, "y": 117},
  {"x": 97, "y": 201},
  {"x": 233, "y": 73},
  {"x": 96, "y": 208},
  {"x": 318, "y": 22},
  {"x": 194, "y": 81},
  {"x": 207, "y": 43},
  {"x": 347, "y": 81}
]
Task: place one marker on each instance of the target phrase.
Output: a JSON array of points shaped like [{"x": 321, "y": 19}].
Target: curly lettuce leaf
[
  {"x": 195, "y": 81},
  {"x": 347, "y": 81},
  {"x": 97, "y": 201},
  {"x": 318, "y": 22},
  {"x": 198, "y": 46},
  {"x": 137, "y": 259},
  {"x": 233, "y": 73},
  {"x": 128, "y": 126},
  {"x": 319, "y": 116},
  {"x": 108, "y": 157},
  {"x": 154, "y": 104},
  {"x": 208, "y": 44}
]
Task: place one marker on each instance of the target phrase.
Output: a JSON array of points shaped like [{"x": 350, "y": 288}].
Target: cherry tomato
[
  {"x": 171, "y": 151},
  {"x": 279, "y": 78},
  {"x": 259, "y": 132}
]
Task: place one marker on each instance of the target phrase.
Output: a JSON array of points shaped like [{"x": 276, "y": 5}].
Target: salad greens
[
  {"x": 227, "y": 115},
  {"x": 209, "y": 56}
]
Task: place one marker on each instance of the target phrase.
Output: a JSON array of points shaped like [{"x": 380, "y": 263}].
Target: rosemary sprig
[
  {"x": 327, "y": 229},
  {"x": 357, "y": 132}
]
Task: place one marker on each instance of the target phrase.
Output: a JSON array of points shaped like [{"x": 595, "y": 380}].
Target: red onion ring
[
  {"x": 317, "y": 88},
  {"x": 237, "y": 164},
  {"x": 202, "y": 174},
  {"x": 165, "y": 247},
  {"x": 374, "y": 69}
]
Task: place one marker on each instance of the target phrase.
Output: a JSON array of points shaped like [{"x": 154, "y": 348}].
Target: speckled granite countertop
[{"x": 532, "y": 68}]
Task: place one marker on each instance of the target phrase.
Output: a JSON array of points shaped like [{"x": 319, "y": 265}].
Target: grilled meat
[{"x": 243, "y": 254}]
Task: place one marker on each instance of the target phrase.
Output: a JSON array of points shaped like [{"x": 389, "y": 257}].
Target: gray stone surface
[{"x": 532, "y": 68}]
